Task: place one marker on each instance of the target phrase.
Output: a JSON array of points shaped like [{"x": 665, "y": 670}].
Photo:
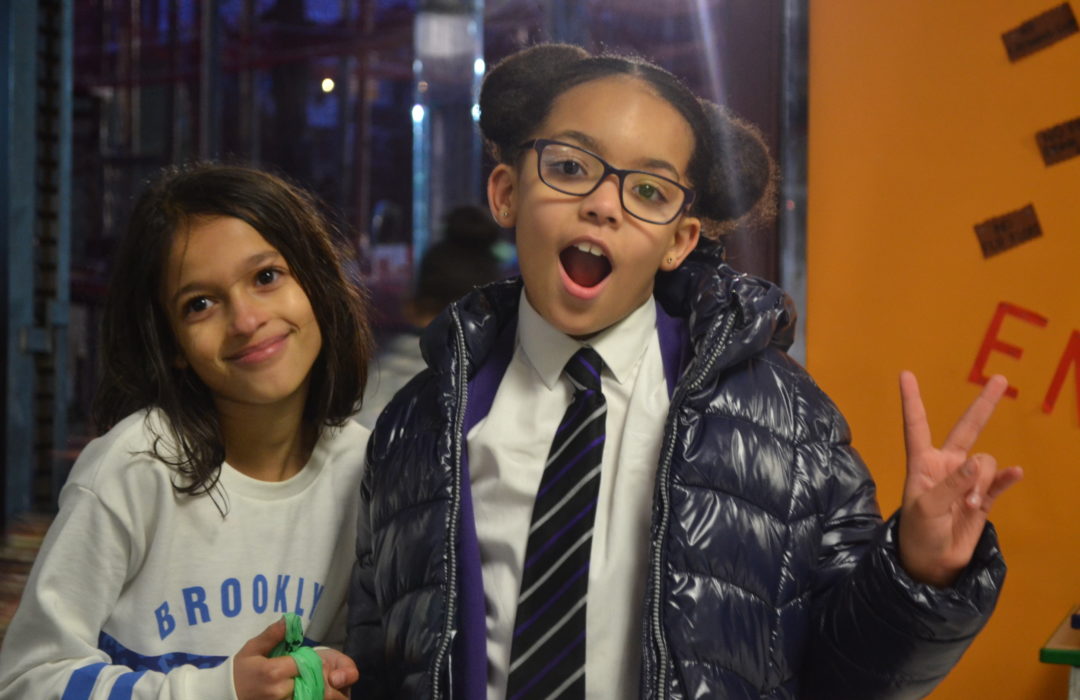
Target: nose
[
  {"x": 603, "y": 205},
  {"x": 246, "y": 314}
]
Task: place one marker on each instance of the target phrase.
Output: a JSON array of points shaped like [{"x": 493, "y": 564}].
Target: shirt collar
[{"x": 620, "y": 346}]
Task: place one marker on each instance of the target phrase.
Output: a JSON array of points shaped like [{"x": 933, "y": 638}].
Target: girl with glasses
[{"x": 732, "y": 545}]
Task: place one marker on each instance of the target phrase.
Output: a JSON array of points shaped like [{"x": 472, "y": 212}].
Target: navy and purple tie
[{"x": 547, "y": 658}]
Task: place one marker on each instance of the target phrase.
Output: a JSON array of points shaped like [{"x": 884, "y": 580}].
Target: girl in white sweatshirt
[{"x": 234, "y": 348}]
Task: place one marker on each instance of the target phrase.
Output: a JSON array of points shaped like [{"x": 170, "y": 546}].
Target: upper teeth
[{"x": 590, "y": 249}]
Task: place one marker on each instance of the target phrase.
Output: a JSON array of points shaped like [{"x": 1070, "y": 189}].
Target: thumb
[
  {"x": 264, "y": 642},
  {"x": 952, "y": 488}
]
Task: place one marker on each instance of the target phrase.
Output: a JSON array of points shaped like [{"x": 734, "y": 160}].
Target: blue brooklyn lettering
[
  {"x": 280, "y": 604},
  {"x": 230, "y": 598},
  {"x": 195, "y": 602},
  {"x": 231, "y": 602},
  {"x": 166, "y": 623},
  {"x": 299, "y": 595},
  {"x": 260, "y": 593}
]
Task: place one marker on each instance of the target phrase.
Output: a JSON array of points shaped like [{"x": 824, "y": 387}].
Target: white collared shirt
[{"x": 506, "y": 472}]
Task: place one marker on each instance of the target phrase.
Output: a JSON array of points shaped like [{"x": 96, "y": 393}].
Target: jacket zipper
[
  {"x": 447, "y": 634},
  {"x": 665, "y": 504}
]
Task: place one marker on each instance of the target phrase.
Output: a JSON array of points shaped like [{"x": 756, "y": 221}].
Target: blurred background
[
  {"x": 370, "y": 103},
  {"x": 909, "y": 133}
]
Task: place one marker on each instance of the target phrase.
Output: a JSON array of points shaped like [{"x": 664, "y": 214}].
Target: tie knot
[{"x": 584, "y": 370}]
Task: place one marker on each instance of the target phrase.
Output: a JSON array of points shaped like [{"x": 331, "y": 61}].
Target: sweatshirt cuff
[{"x": 215, "y": 683}]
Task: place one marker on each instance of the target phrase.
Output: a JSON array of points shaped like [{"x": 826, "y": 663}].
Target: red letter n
[
  {"x": 991, "y": 342},
  {"x": 1071, "y": 357}
]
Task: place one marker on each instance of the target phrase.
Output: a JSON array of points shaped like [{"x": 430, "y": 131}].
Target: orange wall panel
[{"x": 921, "y": 128}]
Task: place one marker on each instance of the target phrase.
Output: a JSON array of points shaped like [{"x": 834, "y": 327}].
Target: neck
[{"x": 266, "y": 442}]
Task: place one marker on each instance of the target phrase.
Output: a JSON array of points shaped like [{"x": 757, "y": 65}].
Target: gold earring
[
  {"x": 670, "y": 260},
  {"x": 505, "y": 213}
]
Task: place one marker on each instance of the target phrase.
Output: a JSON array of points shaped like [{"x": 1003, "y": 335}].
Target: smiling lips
[
  {"x": 585, "y": 264},
  {"x": 259, "y": 352}
]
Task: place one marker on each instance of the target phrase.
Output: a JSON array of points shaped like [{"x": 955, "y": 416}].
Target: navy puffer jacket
[{"x": 772, "y": 574}]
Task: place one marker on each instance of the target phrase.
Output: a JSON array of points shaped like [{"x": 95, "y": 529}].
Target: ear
[
  {"x": 683, "y": 240},
  {"x": 502, "y": 191}
]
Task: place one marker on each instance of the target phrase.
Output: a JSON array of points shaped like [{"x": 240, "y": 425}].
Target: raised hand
[{"x": 947, "y": 492}]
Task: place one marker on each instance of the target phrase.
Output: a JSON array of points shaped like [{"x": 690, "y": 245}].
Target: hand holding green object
[{"x": 309, "y": 682}]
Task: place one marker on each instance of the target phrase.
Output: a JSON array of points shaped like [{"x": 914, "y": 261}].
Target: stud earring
[
  {"x": 505, "y": 213},
  {"x": 670, "y": 260}
]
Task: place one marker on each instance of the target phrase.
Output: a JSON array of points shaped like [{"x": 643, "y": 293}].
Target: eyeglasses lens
[{"x": 647, "y": 196}]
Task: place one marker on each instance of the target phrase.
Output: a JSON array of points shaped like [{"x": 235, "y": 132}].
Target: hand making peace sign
[{"x": 947, "y": 492}]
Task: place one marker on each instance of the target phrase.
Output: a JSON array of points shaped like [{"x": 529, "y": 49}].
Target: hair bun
[
  {"x": 740, "y": 188},
  {"x": 516, "y": 93}
]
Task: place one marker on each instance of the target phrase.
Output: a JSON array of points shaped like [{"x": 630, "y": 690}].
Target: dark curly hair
[
  {"x": 137, "y": 344},
  {"x": 730, "y": 169}
]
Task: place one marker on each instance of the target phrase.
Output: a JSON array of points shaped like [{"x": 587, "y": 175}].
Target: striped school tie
[{"x": 547, "y": 657}]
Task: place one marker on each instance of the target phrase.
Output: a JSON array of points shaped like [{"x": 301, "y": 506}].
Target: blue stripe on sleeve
[
  {"x": 125, "y": 685},
  {"x": 122, "y": 656},
  {"x": 81, "y": 683}
]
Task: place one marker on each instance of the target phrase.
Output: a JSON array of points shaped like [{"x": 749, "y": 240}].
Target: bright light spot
[
  {"x": 417, "y": 113},
  {"x": 328, "y": 85},
  {"x": 478, "y": 66},
  {"x": 476, "y": 112}
]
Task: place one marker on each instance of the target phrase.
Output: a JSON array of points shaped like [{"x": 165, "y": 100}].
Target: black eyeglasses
[{"x": 572, "y": 170}]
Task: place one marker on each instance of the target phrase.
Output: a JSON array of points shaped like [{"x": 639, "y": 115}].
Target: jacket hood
[
  {"x": 703, "y": 290},
  {"x": 485, "y": 313}
]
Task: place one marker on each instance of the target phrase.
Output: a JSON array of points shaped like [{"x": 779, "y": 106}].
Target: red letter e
[{"x": 991, "y": 342}]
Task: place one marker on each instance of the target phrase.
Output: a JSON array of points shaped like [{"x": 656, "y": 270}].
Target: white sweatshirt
[{"x": 141, "y": 592}]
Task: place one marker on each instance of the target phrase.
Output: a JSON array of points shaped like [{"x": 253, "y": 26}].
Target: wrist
[{"x": 925, "y": 573}]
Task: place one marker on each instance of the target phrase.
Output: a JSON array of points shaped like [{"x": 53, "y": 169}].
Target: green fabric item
[{"x": 308, "y": 685}]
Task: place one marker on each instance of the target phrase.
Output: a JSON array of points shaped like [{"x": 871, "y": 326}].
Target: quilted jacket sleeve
[
  {"x": 365, "y": 637},
  {"x": 876, "y": 633}
]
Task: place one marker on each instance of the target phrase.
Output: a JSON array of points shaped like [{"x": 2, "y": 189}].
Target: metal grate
[{"x": 50, "y": 261}]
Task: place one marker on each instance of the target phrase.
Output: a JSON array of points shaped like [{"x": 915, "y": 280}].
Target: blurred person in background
[{"x": 466, "y": 257}]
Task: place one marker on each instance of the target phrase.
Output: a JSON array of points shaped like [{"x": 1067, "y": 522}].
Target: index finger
[
  {"x": 916, "y": 428},
  {"x": 967, "y": 429}
]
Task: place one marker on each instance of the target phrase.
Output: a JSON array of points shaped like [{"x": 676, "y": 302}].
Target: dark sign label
[
  {"x": 1039, "y": 32},
  {"x": 1007, "y": 231},
  {"x": 1060, "y": 142}
]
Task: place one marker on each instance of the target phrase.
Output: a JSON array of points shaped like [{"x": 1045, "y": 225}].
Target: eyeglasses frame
[{"x": 538, "y": 145}]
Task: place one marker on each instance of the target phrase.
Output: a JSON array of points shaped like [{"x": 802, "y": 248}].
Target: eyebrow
[
  {"x": 593, "y": 145},
  {"x": 251, "y": 262}
]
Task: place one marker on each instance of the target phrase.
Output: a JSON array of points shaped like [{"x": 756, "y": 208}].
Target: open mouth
[{"x": 585, "y": 264}]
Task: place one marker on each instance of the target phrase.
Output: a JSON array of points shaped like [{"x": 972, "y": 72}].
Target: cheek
[
  {"x": 306, "y": 318},
  {"x": 195, "y": 348},
  {"x": 316, "y": 333}
]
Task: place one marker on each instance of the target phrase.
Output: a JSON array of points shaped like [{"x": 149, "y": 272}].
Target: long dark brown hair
[{"x": 138, "y": 349}]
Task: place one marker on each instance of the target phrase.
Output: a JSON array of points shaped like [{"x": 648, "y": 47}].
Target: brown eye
[
  {"x": 196, "y": 305},
  {"x": 267, "y": 276}
]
